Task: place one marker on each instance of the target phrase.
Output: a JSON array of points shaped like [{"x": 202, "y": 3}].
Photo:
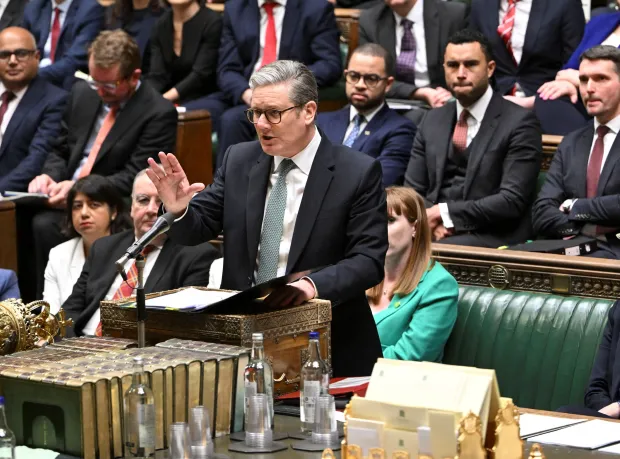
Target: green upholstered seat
[
  {"x": 542, "y": 176},
  {"x": 542, "y": 347}
]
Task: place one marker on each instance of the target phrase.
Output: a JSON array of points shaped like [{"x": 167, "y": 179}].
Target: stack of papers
[
  {"x": 588, "y": 435},
  {"x": 534, "y": 424},
  {"x": 189, "y": 299}
]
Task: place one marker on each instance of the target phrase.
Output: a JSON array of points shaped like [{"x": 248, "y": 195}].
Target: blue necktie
[{"x": 357, "y": 120}]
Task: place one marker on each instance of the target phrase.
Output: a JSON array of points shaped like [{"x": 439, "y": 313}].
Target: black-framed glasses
[
  {"x": 273, "y": 116},
  {"x": 20, "y": 54},
  {"x": 371, "y": 79}
]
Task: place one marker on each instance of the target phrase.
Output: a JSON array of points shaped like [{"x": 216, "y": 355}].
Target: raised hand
[{"x": 171, "y": 182}]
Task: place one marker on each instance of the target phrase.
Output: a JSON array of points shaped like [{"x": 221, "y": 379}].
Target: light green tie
[{"x": 273, "y": 221}]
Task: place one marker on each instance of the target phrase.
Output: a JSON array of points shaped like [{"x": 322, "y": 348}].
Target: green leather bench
[{"x": 541, "y": 346}]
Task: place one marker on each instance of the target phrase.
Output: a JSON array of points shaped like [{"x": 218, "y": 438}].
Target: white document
[
  {"x": 534, "y": 424},
  {"x": 350, "y": 382},
  {"x": 588, "y": 435},
  {"x": 614, "y": 449},
  {"x": 189, "y": 299}
]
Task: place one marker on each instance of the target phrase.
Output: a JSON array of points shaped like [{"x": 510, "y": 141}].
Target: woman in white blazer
[{"x": 94, "y": 210}]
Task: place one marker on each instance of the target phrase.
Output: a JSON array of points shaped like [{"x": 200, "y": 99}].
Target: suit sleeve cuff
[
  {"x": 316, "y": 292},
  {"x": 445, "y": 215}
]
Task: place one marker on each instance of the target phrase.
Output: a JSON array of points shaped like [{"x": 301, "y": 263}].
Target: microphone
[{"x": 161, "y": 225}]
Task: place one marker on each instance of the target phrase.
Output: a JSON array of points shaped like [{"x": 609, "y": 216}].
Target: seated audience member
[
  {"x": 168, "y": 265},
  {"x": 415, "y": 32},
  {"x": 558, "y": 106},
  {"x": 30, "y": 111},
  {"x": 63, "y": 29},
  {"x": 184, "y": 50},
  {"x": 416, "y": 304},
  {"x": 11, "y": 13},
  {"x": 581, "y": 193},
  {"x": 112, "y": 124},
  {"x": 94, "y": 210},
  {"x": 530, "y": 40},
  {"x": 256, "y": 33},
  {"x": 138, "y": 19},
  {"x": 8, "y": 285},
  {"x": 476, "y": 161},
  {"x": 367, "y": 124}
]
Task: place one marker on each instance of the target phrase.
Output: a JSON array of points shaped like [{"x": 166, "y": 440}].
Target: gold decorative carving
[
  {"x": 328, "y": 454},
  {"x": 400, "y": 455},
  {"x": 353, "y": 452},
  {"x": 536, "y": 452},
  {"x": 469, "y": 275},
  {"x": 499, "y": 277},
  {"x": 508, "y": 443},
  {"x": 470, "y": 444},
  {"x": 376, "y": 453}
]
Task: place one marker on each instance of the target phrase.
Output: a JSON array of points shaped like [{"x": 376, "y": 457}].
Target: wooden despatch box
[{"x": 285, "y": 330}]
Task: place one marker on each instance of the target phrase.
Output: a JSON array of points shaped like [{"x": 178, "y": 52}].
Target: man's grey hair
[
  {"x": 135, "y": 179},
  {"x": 303, "y": 87},
  {"x": 602, "y": 52}
]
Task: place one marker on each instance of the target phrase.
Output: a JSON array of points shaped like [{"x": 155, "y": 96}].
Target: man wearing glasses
[
  {"x": 367, "y": 124},
  {"x": 30, "y": 111},
  {"x": 290, "y": 202},
  {"x": 112, "y": 124}
]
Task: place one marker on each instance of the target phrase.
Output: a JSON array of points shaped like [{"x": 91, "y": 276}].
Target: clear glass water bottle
[
  {"x": 314, "y": 382},
  {"x": 139, "y": 414},
  {"x": 7, "y": 438},
  {"x": 258, "y": 375}
]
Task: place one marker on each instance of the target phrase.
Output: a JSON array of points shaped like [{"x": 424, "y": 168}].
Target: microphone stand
[{"x": 141, "y": 301}]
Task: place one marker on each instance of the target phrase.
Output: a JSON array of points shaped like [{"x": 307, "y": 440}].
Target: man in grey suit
[
  {"x": 476, "y": 160},
  {"x": 415, "y": 32},
  {"x": 11, "y": 13}
]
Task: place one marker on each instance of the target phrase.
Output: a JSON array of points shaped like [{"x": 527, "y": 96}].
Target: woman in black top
[{"x": 184, "y": 49}]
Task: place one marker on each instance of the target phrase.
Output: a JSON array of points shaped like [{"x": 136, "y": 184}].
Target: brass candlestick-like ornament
[
  {"x": 508, "y": 443},
  {"x": 536, "y": 452},
  {"x": 21, "y": 329},
  {"x": 470, "y": 444}
]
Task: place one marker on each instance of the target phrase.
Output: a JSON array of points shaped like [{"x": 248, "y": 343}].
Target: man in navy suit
[
  {"x": 63, "y": 30},
  {"x": 255, "y": 33},
  {"x": 30, "y": 111},
  {"x": 367, "y": 124}
]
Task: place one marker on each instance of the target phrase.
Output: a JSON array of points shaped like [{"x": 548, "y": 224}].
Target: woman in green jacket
[{"x": 415, "y": 306}]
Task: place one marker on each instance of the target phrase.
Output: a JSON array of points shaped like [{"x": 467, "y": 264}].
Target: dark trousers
[{"x": 560, "y": 116}]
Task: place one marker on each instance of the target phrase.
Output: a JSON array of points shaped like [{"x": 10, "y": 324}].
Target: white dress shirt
[
  {"x": 416, "y": 15},
  {"x": 352, "y": 112},
  {"x": 63, "y": 269},
  {"x": 612, "y": 40},
  {"x": 474, "y": 120},
  {"x": 19, "y": 95},
  {"x": 295, "y": 186},
  {"x": 91, "y": 326},
  {"x": 519, "y": 28},
  {"x": 278, "y": 17},
  {"x": 47, "y": 49}
]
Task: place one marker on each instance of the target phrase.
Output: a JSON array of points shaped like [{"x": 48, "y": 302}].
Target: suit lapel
[
  {"x": 480, "y": 143},
  {"x": 375, "y": 123},
  {"x": 340, "y": 124},
  {"x": 321, "y": 175},
  {"x": 442, "y": 145},
  {"x": 89, "y": 112},
  {"x": 109, "y": 273},
  {"x": 289, "y": 27},
  {"x": 533, "y": 26},
  {"x": 431, "y": 32},
  {"x": 11, "y": 10},
  {"x": 610, "y": 164},
  {"x": 77, "y": 260},
  {"x": 68, "y": 22},
  {"x": 251, "y": 20},
  {"x": 45, "y": 21},
  {"x": 30, "y": 99},
  {"x": 581, "y": 156},
  {"x": 161, "y": 264},
  {"x": 385, "y": 30},
  {"x": 255, "y": 203}
]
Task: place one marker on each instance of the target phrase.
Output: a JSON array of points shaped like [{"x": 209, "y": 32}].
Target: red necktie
[
  {"x": 271, "y": 40},
  {"x": 595, "y": 163},
  {"x": 505, "y": 28},
  {"x": 459, "y": 138},
  {"x": 7, "y": 96},
  {"x": 55, "y": 33}
]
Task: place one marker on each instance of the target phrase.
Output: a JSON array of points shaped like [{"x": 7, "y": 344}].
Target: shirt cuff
[
  {"x": 316, "y": 292},
  {"x": 445, "y": 215}
]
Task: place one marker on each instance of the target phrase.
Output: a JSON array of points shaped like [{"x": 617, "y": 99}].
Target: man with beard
[
  {"x": 367, "y": 124},
  {"x": 581, "y": 192},
  {"x": 476, "y": 160}
]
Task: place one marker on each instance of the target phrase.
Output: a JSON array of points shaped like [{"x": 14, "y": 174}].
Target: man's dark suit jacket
[
  {"x": 309, "y": 34},
  {"x": 175, "y": 267},
  {"x": 31, "y": 132},
  {"x": 342, "y": 224},
  {"x": 604, "y": 385},
  {"x": 566, "y": 179},
  {"x": 441, "y": 20},
  {"x": 13, "y": 14},
  {"x": 146, "y": 125},
  {"x": 500, "y": 181},
  {"x": 554, "y": 30},
  {"x": 84, "y": 21},
  {"x": 388, "y": 137}
]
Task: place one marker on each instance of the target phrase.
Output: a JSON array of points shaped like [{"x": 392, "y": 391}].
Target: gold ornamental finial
[{"x": 536, "y": 452}]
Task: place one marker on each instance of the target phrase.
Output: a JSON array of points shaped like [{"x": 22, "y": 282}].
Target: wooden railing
[
  {"x": 194, "y": 147},
  {"x": 8, "y": 236}
]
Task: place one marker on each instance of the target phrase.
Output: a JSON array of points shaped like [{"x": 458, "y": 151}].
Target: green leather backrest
[{"x": 541, "y": 347}]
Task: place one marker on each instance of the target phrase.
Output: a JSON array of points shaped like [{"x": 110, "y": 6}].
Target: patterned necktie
[
  {"x": 405, "y": 62},
  {"x": 595, "y": 163},
  {"x": 271, "y": 39},
  {"x": 55, "y": 32},
  {"x": 273, "y": 221},
  {"x": 6, "y": 98},
  {"x": 459, "y": 138},
  {"x": 355, "y": 132},
  {"x": 505, "y": 28},
  {"x": 105, "y": 129}
]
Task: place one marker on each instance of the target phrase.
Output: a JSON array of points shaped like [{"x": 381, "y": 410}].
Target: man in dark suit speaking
[{"x": 289, "y": 202}]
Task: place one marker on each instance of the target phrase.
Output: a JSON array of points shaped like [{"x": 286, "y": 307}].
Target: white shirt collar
[
  {"x": 353, "y": 111},
  {"x": 262, "y": 2},
  {"x": 18, "y": 95},
  {"x": 303, "y": 160},
  {"x": 613, "y": 125},
  {"x": 478, "y": 108},
  {"x": 415, "y": 15},
  {"x": 63, "y": 7}
]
